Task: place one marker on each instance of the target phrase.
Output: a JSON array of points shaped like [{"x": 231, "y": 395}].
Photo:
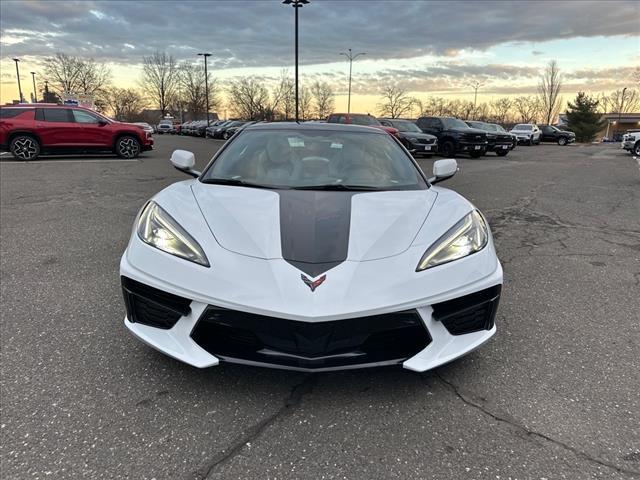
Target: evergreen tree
[{"x": 584, "y": 119}]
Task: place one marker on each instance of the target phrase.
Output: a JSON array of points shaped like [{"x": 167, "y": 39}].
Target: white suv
[
  {"x": 631, "y": 141},
  {"x": 528, "y": 133}
]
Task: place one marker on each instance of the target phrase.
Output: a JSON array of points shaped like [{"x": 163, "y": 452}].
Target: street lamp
[
  {"x": 351, "y": 56},
  {"x": 35, "y": 92},
  {"x": 18, "y": 75},
  {"x": 476, "y": 85},
  {"x": 206, "y": 82},
  {"x": 296, "y": 4}
]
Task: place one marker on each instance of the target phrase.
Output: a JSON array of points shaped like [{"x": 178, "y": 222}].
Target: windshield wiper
[
  {"x": 234, "y": 181},
  {"x": 337, "y": 187}
]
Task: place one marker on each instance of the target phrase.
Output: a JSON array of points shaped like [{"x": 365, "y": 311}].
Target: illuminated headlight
[
  {"x": 468, "y": 236},
  {"x": 158, "y": 229}
]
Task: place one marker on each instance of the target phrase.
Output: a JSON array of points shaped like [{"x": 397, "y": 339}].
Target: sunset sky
[{"x": 429, "y": 48}]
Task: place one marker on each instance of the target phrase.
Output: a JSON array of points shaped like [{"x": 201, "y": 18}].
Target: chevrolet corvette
[{"x": 311, "y": 247}]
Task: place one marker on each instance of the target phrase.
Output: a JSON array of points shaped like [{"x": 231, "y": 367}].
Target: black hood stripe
[{"x": 314, "y": 229}]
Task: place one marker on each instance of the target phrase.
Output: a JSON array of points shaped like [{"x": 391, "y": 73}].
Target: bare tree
[
  {"x": 160, "y": 79},
  {"x": 417, "y": 106},
  {"x": 527, "y": 108},
  {"x": 395, "y": 102},
  {"x": 549, "y": 92},
  {"x": 193, "y": 92},
  {"x": 124, "y": 104},
  {"x": 283, "y": 96},
  {"x": 624, "y": 101},
  {"x": 323, "y": 99},
  {"x": 70, "y": 74},
  {"x": 249, "y": 99},
  {"x": 304, "y": 102},
  {"x": 501, "y": 109}
]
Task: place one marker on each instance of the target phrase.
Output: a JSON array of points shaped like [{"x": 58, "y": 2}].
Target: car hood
[
  {"x": 313, "y": 230},
  {"x": 417, "y": 135}
]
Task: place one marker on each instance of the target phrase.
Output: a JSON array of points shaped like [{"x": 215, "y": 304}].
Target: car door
[
  {"x": 55, "y": 127},
  {"x": 91, "y": 130},
  {"x": 547, "y": 134}
]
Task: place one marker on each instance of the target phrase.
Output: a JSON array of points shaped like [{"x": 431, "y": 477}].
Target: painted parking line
[{"x": 36, "y": 162}]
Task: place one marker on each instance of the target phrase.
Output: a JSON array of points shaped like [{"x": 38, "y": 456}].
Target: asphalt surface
[{"x": 555, "y": 394}]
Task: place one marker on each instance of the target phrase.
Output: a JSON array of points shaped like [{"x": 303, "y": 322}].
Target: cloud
[{"x": 260, "y": 33}]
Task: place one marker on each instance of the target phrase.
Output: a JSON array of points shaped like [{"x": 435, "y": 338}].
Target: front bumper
[
  {"x": 628, "y": 144},
  {"x": 472, "y": 147},
  {"x": 434, "y": 327},
  {"x": 424, "y": 148}
]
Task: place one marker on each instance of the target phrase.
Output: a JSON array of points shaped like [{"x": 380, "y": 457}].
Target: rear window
[{"x": 13, "y": 112}]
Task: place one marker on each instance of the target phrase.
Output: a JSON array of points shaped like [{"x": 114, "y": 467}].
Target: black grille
[
  {"x": 153, "y": 307},
  {"x": 230, "y": 334},
  {"x": 426, "y": 141},
  {"x": 474, "y": 137},
  {"x": 470, "y": 313}
]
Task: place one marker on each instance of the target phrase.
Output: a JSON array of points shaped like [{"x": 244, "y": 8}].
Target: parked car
[
  {"x": 27, "y": 130},
  {"x": 217, "y": 124},
  {"x": 332, "y": 250},
  {"x": 231, "y": 131},
  {"x": 549, "y": 133},
  {"x": 528, "y": 133},
  {"x": 454, "y": 136},
  {"x": 412, "y": 137},
  {"x": 164, "y": 126},
  {"x": 221, "y": 132},
  {"x": 145, "y": 126},
  {"x": 631, "y": 141},
  {"x": 360, "y": 119},
  {"x": 499, "y": 141}
]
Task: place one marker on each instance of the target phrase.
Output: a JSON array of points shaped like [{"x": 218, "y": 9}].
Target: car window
[
  {"x": 404, "y": 126},
  {"x": 13, "y": 112},
  {"x": 454, "y": 123},
  {"x": 56, "y": 115},
  {"x": 81, "y": 116},
  {"x": 291, "y": 158},
  {"x": 429, "y": 122}
]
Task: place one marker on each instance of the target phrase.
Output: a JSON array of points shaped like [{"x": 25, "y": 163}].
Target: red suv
[
  {"x": 27, "y": 130},
  {"x": 360, "y": 119}
]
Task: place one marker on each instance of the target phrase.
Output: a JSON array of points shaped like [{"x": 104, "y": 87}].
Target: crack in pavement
[
  {"x": 533, "y": 433},
  {"x": 247, "y": 436}
]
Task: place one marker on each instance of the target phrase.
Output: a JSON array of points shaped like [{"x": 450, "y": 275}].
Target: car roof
[{"x": 315, "y": 127}]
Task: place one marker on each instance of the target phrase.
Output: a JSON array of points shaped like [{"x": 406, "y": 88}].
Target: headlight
[
  {"x": 468, "y": 236},
  {"x": 412, "y": 140},
  {"x": 157, "y": 228}
]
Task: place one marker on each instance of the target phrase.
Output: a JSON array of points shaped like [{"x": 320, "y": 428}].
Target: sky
[{"x": 426, "y": 47}]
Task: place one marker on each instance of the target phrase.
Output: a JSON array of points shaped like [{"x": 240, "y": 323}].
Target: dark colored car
[
  {"x": 498, "y": 139},
  {"x": 363, "y": 119},
  {"x": 231, "y": 131},
  {"x": 214, "y": 126},
  {"x": 454, "y": 136},
  {"x": 549, "y": 133},
  {"x": 221, "y": 132},
  {"x": 412, "y": 137},
  {"x": 28, "y": 130}
]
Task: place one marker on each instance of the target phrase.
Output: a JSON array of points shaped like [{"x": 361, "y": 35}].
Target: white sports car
[{"x": 311, "y": 247}]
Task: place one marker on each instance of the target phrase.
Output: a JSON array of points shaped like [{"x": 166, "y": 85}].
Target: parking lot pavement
[{"x": 553, "y": 395}]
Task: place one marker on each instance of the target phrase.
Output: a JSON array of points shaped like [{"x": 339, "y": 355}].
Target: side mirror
[
  {"x": 443, "y": 170},
  {"x": 184, "y": 161}
]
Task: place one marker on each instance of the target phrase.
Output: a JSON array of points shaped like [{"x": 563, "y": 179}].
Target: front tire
[
  {"x": 530, "y": 141},
  {"x": 636, "y": 149},
  {"x": 562, "y": 141},
  {"x": 25, "y": 148},
  {"x": 128, "y": 147},
  {"x": 448, "y": 149},
  {"x": 502, "y": 153},
  {"x": 225, "y": 136}
]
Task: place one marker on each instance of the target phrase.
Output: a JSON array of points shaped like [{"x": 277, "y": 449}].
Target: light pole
[
  {"x": 18, "y": 75},
  {"x": 476, "y": 85},
  {"x": 351, "y": 56},
  {"x": 35, "y": 92},
  {"x": 296, "y": 4},
  {"x": 206, "y": 82}
]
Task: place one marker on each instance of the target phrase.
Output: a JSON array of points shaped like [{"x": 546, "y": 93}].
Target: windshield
[
  {"x": 315, "y": 159},
  {"x": 454, "y": 123},
  {"x": 522, "y": 126},
  {"x": 405, "y": 126},
  {"x": 498, "y": 128},
  {"x": 487, "y": 127}
]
